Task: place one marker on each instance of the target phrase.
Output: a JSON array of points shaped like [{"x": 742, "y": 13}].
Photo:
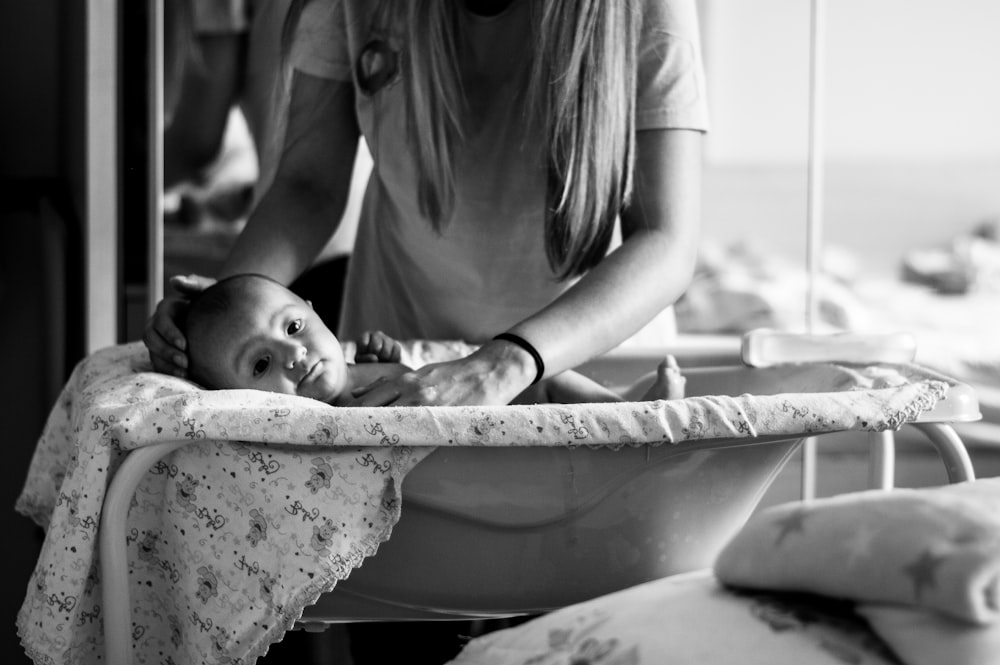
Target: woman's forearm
[
  {"x": 649, "y": 272},
  {"x": 285, "y": 233},
  {"x": 302, "y": 208},
  {"x": 609, "y": 305}
]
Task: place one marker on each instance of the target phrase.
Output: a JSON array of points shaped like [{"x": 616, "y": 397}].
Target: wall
[
  {"x": 29, "y": 73},
  {"x": 905, "y": 79},
  {"x": 36, "y": 227},
  {"x": 912, "y": 140}
]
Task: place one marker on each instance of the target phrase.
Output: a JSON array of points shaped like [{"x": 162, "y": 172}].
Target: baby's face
[{"x": 273, "y": 340}]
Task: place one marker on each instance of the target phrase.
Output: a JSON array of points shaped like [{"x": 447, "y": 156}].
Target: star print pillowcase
[{"x": 934, "y": 549}]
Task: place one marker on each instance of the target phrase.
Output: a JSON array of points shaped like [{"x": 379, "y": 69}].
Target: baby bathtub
[
  {"x": 497, "y": 532},
  {"x": 493, "y": 531}
]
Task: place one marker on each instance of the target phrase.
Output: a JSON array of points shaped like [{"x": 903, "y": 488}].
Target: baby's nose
[{"x": 296, "y": 354}]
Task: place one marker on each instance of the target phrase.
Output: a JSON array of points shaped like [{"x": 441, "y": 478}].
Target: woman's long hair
[
  {"x": 581, "y": 94},
  {"x": 581, "y": 91}
]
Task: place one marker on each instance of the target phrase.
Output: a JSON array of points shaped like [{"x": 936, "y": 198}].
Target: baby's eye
[
  {"x": 295, "y": 326},
  {"x": 261, "y": 365}
]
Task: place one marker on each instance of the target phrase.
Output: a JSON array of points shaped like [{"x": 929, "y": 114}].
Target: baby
[{"x": 248, "y": 331}]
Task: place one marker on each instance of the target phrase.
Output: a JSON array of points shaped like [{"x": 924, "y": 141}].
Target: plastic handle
[{"x": 766, "y": 348}]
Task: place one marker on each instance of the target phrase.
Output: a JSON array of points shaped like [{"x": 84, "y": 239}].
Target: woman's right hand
[
  {"x": 163, "y": 336},
  {"x": 494, "y": 374}
]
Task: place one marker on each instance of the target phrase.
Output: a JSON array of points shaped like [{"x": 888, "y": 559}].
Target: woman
[{"x": 508, "y": 137}]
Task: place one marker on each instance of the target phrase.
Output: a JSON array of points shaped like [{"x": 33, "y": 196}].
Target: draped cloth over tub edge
[{"x": 279, "y": 497}]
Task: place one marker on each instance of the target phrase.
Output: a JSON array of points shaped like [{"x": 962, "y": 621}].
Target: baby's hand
[{"x": 377, "y": 347}]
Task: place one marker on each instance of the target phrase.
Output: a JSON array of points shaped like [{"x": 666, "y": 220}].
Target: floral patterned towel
[{"x": 278, "y": 497}]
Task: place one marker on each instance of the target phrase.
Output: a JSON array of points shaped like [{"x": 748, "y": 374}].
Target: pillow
[{"x": 931, "y": 548}]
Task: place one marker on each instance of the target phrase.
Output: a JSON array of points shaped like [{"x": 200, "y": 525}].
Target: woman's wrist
[
  {"x": 512, "y": 366},
  {"x": 527, "y": 346}
]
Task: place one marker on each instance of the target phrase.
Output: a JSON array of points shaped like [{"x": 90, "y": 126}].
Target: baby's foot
[{"x": 669, "y": 382}]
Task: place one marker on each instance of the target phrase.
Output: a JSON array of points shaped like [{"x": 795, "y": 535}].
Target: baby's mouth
[{"x": 311, "y": 374}]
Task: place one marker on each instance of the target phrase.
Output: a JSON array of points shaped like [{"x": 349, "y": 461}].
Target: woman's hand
[
  {"x": 493, "y": 375},
  {"x": 163, "y": 336}
]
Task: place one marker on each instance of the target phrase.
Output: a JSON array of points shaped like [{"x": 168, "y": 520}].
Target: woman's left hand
[{"x": 493, "y": 375}]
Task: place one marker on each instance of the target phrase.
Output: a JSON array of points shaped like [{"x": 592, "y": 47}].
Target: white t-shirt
[{"x": 487, "y": 269}]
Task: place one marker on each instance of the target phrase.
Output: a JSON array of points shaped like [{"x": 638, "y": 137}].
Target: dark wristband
[{"x": 526, "y": 345}]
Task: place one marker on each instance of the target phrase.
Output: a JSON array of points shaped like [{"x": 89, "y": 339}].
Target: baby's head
[{"x": 248, "y": 331}]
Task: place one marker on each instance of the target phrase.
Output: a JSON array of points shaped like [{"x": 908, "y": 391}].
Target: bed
[{"x": 947, "y": 296}]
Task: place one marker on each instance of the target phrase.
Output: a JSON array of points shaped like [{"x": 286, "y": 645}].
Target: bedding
[
  {"x": 740, "y": 287},
  {"x": 687, "y": 619},
  {"x": 278, "y": 497},
  {"x": 936, "y": 549},
  {"x": 904, "y": 577},
  {"x": 923, "y": 565}
]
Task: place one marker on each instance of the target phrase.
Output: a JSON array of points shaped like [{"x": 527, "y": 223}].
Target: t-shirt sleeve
[
  {"x": 320, "y": 43},
  {"x": 219, "y": 17},
  {"x": 671, "y": 78}
]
